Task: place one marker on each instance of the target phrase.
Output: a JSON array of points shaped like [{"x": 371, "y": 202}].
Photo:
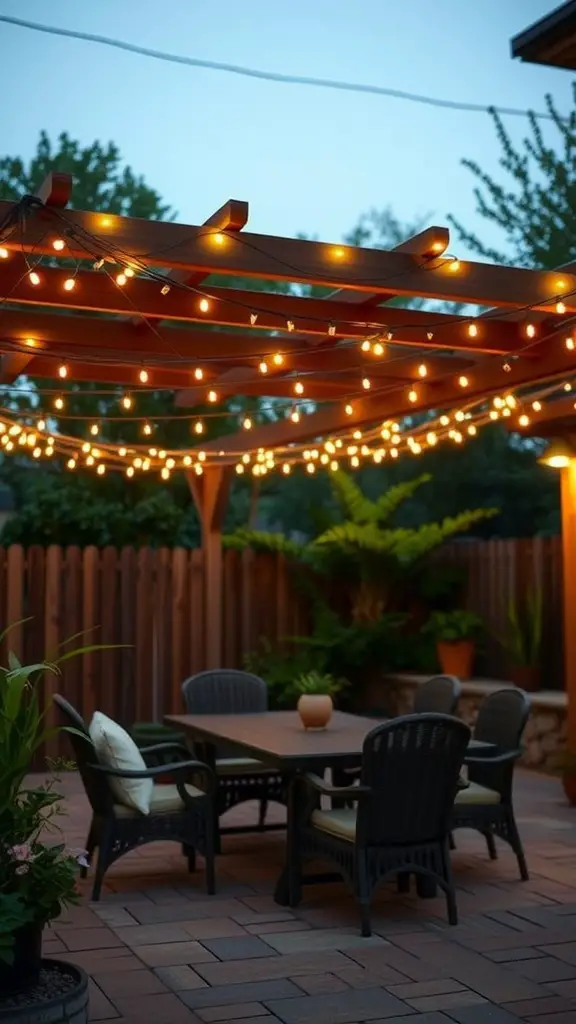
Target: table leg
[{"x": 282, "y": 890}]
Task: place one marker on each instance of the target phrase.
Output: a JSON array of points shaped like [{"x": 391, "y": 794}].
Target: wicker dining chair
[
  {"x": 230, "y": 691},
  {"x": 409, "y": 779},
  {"x": 486, "y": 804},
  {"x": 182, "y": 812},
  {"x": 440, "y": 694}
]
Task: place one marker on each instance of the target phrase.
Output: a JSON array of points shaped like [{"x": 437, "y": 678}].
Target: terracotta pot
[
  {"x": 526, "y": 677},
  {"x": 569, "y": 786},
  {"x": 456, "y": 657},
  {"x": 315, "y": 710},
  {"x": 24, "y": 971}
]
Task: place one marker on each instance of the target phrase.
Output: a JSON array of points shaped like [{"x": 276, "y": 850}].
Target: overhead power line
[{"x": 271, "y": 76}]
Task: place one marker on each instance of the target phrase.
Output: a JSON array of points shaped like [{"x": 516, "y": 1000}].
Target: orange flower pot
[
  {"x": 315, "y": 710},
  {"x": 456, "y": 657}
]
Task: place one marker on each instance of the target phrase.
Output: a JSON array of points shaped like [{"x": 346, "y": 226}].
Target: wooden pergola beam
[
  {"x": 193, "y": 248},
  {"x": 210, "y": 493},
  {"x": 231, "y": 307},
  {"x": 392, "y": 403}
]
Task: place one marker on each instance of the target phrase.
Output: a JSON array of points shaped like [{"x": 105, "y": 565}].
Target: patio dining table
[{"x": 278, "y": 740}]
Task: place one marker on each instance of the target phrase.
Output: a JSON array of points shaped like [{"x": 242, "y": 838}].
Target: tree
[{"x": 536, "y": 208}]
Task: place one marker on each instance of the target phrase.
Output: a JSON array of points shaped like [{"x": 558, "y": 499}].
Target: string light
[
  {"x": 299, "y": 388},
  {"x": 31, "y": 342},
  {"x": 331, "y": 330},
  {"x": 253, "y": 318},
  {"x": 537, "y": 406},
  {"x": 69, "y": 284},
  {"x": 94, "y": 429},
  {"x": 198, "y": 373},
  {"x": 454, "y": 265},
  {"x": 290, "y": 325},
  {"x": 4, "y": 254},
  {"x": 348, "y": 409},
  {"x": 422, "y": 370},
  {"x": 130, "y": 471},
  {"x": 198, "y": 427},
  {"x": 524, "y": 420},
  {"x": 71, "y": 463},
  {"x": 366, "y": 383},
  {"x": 278, "y": 359},
  {"x": 128, "y": 271},
  {"x": 570, "y": 344},
  {"x": 506, "y": 367},
  {"x": 121, "y": 279},
  {"x": 365, "y": 346},
  {"x": 472, "y": 330},
  {"x": 247, "y": 423},
  {"x": 126, "y": 402},
  {"x": 34, "y": 278},
  {"x": 59, "y": 402},
  {"x": 41, "y": 425},
  {"x": 295, "y": 416},
  {"x": 530, "y": 331},
  {"x": 147, "y": 429},
  {"x": 560, "y": 307},
  {"x": 463, "y": 381},
  {"x": 165, "y": 289},
  {"x": 212, "y": 396},
  {"x": 413, "y": 395},
  {"x": 204, "y": 305},
  {"x": 101, "y": 469},
  {"x": 98, "y": 264},
  {"x": 378, "y": 349},
  {"x": 143, "y": 376},
  {"x": 63, "y": 371},
  {"x": 263, "y": 367}
]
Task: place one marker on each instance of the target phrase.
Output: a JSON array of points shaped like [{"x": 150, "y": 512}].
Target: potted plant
[
  {"x": 522, "y": 640},
  {"x": 38, "y": 874},
  {"x": 455, "y": 633},
  {"x": 564, "y": 764},
  {"x": 315, "y": 704}
]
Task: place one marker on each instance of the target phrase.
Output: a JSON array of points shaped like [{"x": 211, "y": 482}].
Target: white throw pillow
[{"x": 116, "y": 749}]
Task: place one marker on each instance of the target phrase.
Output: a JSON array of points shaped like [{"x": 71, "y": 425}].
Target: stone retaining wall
[{"x": 545, "y": 732}]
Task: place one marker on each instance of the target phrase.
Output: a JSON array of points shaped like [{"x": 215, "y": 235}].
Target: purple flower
[
  {"x": 22, "y": 869},
  {"x": 22, "y": 852}
]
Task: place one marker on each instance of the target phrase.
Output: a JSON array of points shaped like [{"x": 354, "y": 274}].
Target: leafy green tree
[{"x": 535, "y": 206}]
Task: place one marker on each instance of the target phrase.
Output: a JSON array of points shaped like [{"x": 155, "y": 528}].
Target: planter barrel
[
  {"x": 456, "y": 657},
  {"x": 24, "y": 971},
  {"x": 315, "y": 710},
  {"x": 60, "y": 997}
]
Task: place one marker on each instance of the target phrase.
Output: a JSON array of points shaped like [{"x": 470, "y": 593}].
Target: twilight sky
[{"x": 306, "y": 159}]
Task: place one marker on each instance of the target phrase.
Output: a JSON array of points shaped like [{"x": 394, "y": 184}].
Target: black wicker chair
[
  {"x": 229, "y": 691},
  {"x": 409, "y": 779},
  {"x": 440, "y": 694},
  {"x": 486, "y": 804},
  {"x": 181, "y": 812}
]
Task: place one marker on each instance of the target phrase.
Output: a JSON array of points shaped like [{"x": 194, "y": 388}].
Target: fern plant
[{"x": 365, "y": 550}]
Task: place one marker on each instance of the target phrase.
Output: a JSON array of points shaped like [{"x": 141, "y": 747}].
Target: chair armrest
[
  {"x": 510, "y": 755},
  {"x": 315, "y": 782},
  {"x": 178, "y": 768}
]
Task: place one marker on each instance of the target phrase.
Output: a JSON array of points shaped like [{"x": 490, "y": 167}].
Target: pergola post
[
  {"x": 210, "y": 492},
  {"x": 568, "y": 496}
]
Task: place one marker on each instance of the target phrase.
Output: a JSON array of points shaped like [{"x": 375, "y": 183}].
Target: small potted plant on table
[
  {"x": 456, "y": 633},
  {"x": 38, "y": 875},
  {"x": 315, "y": 704},
  {"x": 522, "y": 640}
]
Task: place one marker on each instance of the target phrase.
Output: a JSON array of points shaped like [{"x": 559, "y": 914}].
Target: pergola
[{"x": 141, "y": 305}]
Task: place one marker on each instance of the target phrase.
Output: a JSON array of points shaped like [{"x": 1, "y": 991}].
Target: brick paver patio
[{"x": 159, "y": 951}]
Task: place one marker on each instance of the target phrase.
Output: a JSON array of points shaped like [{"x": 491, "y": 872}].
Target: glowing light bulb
[
  {"x": 338, "y": 253},
  {"x": 431, "y": 438},
  {"x": 63, "y": 371},
  {"x": 34, "y": 278},
  {"x": 204, "y": 305},
  {"x": 58, "y": 244},
  {"x": 286, "y": 468},
  {"x": 129, "y": 271},
  {"x": 59, "y": 403},
  {"x": 253, "y": 318},
  {"x": 524, "y": 420},
  {"x": 278, "y": 359},
  {"x": 263, "y": 367},
  {"x": 444, "y": 420},
  {"x": 295, "y": 416},
  {"x": 422, "y": 370},
  {"x": 94, "y": 429},
  {"x": 130, "y": 471},
  {"x": 459, "y": 416},
  {"x": 560, "y": 307},
  {"x": 37, "y": 453},
  {"x": 537, "y": 406},
  {"x": 454, "y": 265},
  {"x": 198, "y": 427},
  {"x": 299, "y": 388},
  {"x": 147, "y": 429},
  {"x": 101, "y": 469},
  {"x": 567, "y": 387},
  {"x": 143, "y": 376},
  {"x": 90, "y": 460},
  {"x": 239, "y": 468},
  {"x": 4, "y": 254},
  {"x": 121, "y": 280},
  {"x": 122, "y": 452},
  {"x": 412, "y": 396},
  {"x": 463, "y": 381},
  {"x": 71, "y": 463},
  {"x": 126, "y": 402},
  {"x": 212, "y": 396},
  {"x": 69, "y": 284},
  {"x": 165, "y": 473},
  {"x": 348, "y": 409},
  {"x": 41, "y": 424},
  {"x": 366, "y": 384},
  {"x": 310, "y": 468},
  {"x": 570, "y": 344},
  {"x": 332, "y": 330},
  {"x": 198, "y": 373},
  {"x": 530, "y": 331},
  {"x": 290, "y": 325},
  {"x": 247, "y": 423},
  {"x": 165, "y": 289},
  {"x": 31, "y": 342},
  {"x": 472, "y": 330},
  {"x": 378, "y": 349},
  {"x": 472, "y": 430}
]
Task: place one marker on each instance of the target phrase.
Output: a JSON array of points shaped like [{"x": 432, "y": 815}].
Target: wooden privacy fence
[{"x": 150, "y": 601}]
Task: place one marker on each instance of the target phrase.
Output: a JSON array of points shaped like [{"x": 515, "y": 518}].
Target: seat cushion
[
  {"x": 164, "y": 800},
  {"x": 116, "y": 749},
  {"x": 240, "y": 766},
  {"x": 340, "y": 823},
  {"x": 475, "y": 794}
]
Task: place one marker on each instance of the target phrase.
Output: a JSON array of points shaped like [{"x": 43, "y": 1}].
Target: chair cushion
[
  {"x": 164, "y": 800},
  {"x": 475, "y": 794},
  {"x": 340, "y": 823},
  {"x": 240, "y": 766},
  {"x": 116, "y": 749}
]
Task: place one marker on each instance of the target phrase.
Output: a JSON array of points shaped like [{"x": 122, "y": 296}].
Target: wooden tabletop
[{"x": 279, "y": 738}]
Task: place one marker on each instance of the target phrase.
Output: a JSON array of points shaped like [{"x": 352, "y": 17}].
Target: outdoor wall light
[{"x": 558, "y": 455}]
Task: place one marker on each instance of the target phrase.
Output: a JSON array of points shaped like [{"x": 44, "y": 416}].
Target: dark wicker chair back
[
  {"x": 439, "y": 695},
  {"x": 411, "y": 766},
  {"x": 95, "y": 783},
  {"x": 225, "y": 692},
  {"x": 501, "y": 720}
]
